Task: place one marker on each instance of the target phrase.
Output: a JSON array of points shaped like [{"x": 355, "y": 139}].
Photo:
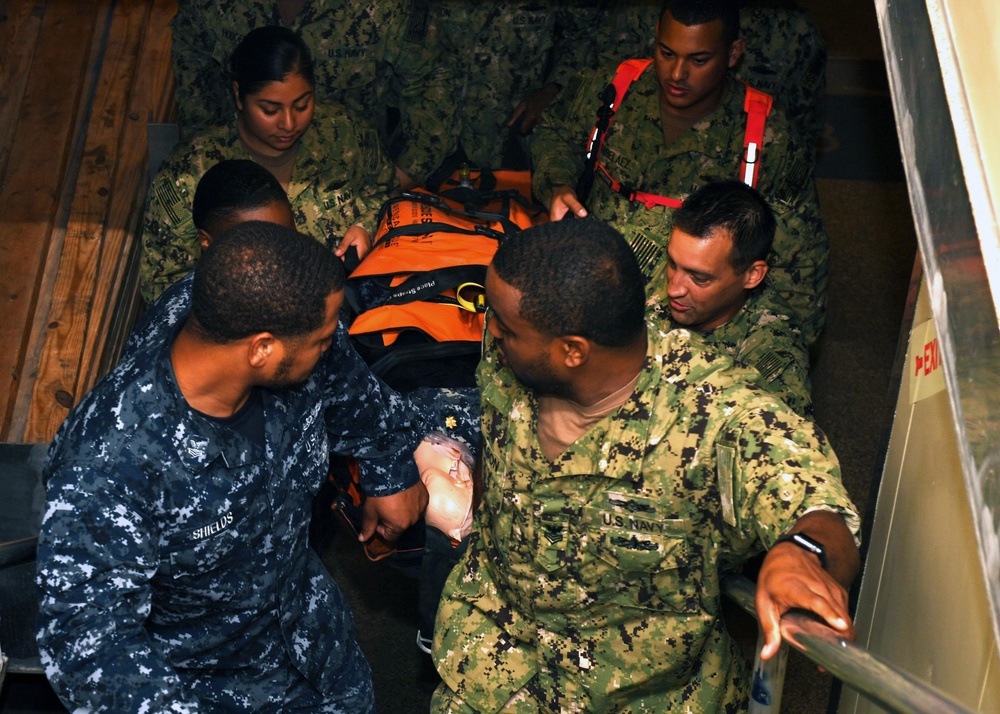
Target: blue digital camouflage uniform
[
  {"x": 360, "y": 52},
  {"x": 592, "y": 583},
  {"x": 501, "y": 52},
  {"x": 340, "y": 178},
  {"x": 173, "y": 563},
  {"x": 634, "y": 153},
  {"x": 763, "y": 335},
  {"x": 785, "y": 53}
]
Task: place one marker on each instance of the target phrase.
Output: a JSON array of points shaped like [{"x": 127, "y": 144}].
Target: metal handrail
[{"x": 883, "y": 683}]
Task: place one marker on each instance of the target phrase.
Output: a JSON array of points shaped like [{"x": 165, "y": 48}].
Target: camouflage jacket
[
  {"x": 594, "y": 581},
  {"x": 501, "y": 52},
  {"x": 785, "y": 53},
  {"x": 174, "y": 565},
  {"x": 359, "y": 50},
  {"x": 634, "y": 153},
  {"x": 341, "y": 178},
  {"x": 763, "y": 335}
]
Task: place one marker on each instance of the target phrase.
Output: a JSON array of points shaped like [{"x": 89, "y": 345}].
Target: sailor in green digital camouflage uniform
[
  {"x": 360, "y": 49},
  {"x": 328, "y": 160},
  {"x": 510, "y": 60},
  {"x": 714, "y": 282},
  {"x": 682, "y": 125},
  {"x": 624, "y": 469},
  {"x": 785, "y": 53}
]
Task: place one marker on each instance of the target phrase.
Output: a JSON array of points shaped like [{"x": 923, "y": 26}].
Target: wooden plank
[
  {"x": 152, "y": 101},
  {"x": 135, "y": 86},
  {"x": 18, "y": 38},
  {"x": 66, "y": 327},
  {"x": 32, "y": 187}
]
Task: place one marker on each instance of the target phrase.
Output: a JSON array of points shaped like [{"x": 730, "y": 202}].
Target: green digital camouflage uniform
[
  {"x": 501, "y": 52},
  {"x": 635, "y": 154},
  {"x": 358, "y": 50},
  {"x": 592, "y": 583},
  {"x": 762, "y": 335},
  {"x": 785, "y": 53},
  {"x": 341, "y": 177}
]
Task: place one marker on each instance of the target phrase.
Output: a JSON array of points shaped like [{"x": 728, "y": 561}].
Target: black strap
[{"x": 604, "y": 114}]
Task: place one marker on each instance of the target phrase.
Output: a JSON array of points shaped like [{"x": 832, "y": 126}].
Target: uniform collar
[{"x": 200, "y": 441}]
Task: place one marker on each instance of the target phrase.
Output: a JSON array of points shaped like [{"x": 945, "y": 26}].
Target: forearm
[
  {"x": 829, "y": 528},
  {"x": 95, "y": 664},
  {"x": 553, "y": 158},
  {"x": 370, "y": 421},
  {"x": 429, "y": 127},
  {"x": 558, "y": 143},
  {"x": 95, "y": 557}
]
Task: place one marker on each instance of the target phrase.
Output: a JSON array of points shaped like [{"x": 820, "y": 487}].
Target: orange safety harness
[{"x": 757, "y": 106}]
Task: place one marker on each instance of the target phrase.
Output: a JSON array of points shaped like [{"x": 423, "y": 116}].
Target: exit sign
[{"x": 924, "y": 365}]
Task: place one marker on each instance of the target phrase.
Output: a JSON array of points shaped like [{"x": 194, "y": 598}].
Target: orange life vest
[{"x": 757, "y": 105}]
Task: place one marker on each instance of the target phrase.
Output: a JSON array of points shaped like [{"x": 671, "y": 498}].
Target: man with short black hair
[
  {"x": 785, "y": 52},
  {"x": 624, "y": 469},
  {"x": 234, "y": 191},
  {"x": 714, "y": 282},
  {"x": 174, "y": 566}
]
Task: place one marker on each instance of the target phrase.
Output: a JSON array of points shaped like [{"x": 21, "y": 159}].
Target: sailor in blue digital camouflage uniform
[{"x": 173, "y": 563}]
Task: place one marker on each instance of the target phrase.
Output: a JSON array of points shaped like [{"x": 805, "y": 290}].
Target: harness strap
[
  {"x": 757, "y": 105},
  {"x": 649, "y": 200},
  {"x": 611, "y": 98}
]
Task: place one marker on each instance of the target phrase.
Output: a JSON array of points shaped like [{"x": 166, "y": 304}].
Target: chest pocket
[
  {"x": 635, "y": 558},
  {"x": 346, "y": 67},
  {"x": 209, "y": 548}
]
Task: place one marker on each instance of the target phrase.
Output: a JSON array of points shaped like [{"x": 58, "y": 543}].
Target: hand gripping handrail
[{"x": 855, "y": 666}]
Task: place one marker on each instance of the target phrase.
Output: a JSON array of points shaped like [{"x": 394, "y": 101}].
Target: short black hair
[
  {"x": 230, "y": 186},
  {"x": 739, "y": 209},
  {"x": 698, "y": 12},
  {"x": 261, "y": 277},
  {"x": 270, "y": 54},
  {"x": 576, "y": 277}
]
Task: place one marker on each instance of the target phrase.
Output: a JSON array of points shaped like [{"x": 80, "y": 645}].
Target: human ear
[
  {"x": 736, "y": 51},
  {"x": 575, "y": 350},
  {"x": 260, "y": 347},
  {"x": 204, "y": 238},
  {"x": 236, "y": 96},
  {"x": 755, "y": 274}
]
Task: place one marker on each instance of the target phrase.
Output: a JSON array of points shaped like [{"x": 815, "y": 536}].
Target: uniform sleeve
[
  {"x": 170, "y": 246},
  {"x": 786, "y": 162},
  {"x": 200, "y": 82},
  {"x": 369, "y": 420},
  {"x": 790, "y": 382},
  {"x": 783, "y": 361},
  {"x": 96, "y": 555},
  {"x": 559, "y": 141},
  {"x": 781, "y": 467},
  {"x": 577, "y": 28},
  {"x": 425, "y": 80}
]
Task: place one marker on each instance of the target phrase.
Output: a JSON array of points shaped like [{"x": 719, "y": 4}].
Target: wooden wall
[{"x": 79, "y": 81}]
